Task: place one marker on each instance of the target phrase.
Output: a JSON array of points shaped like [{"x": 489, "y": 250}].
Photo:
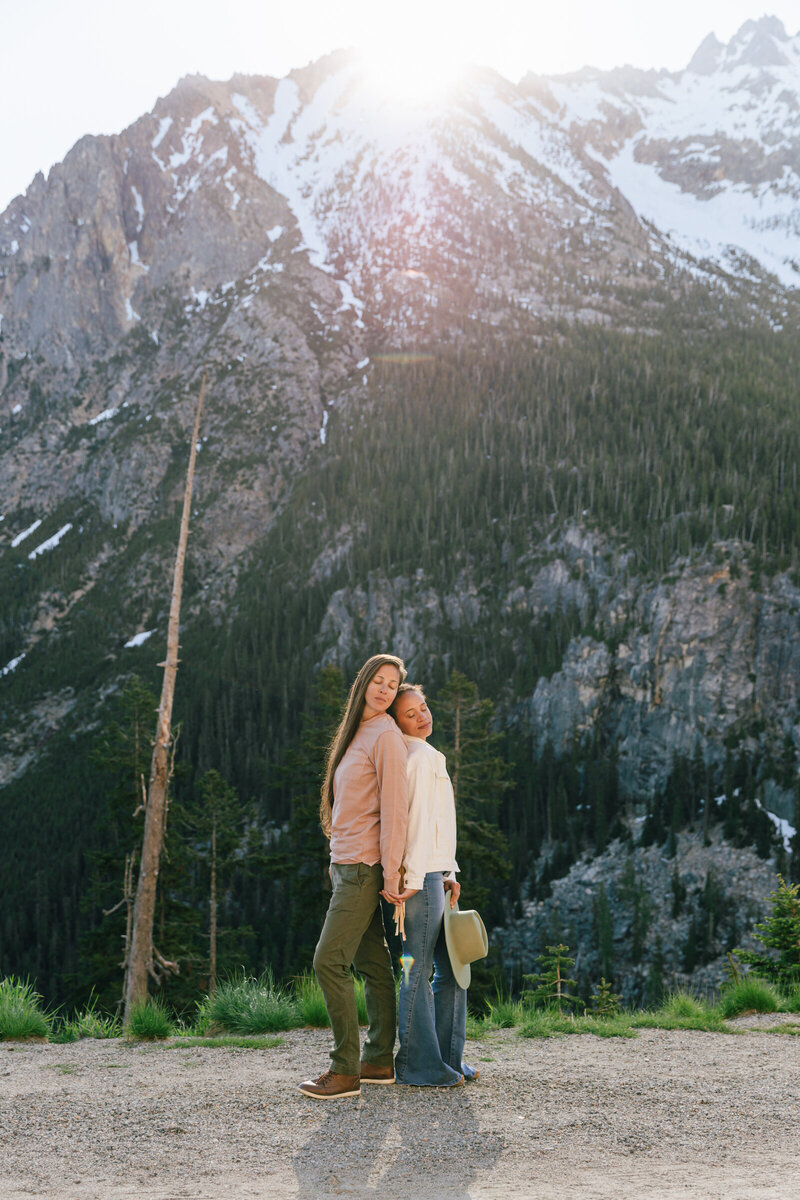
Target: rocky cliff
[{"x": 653, "y": 922}]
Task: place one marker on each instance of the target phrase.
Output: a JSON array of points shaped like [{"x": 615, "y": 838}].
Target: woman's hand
[
  {"x": 401, "y": 898},
  {"x": 454, "y": 888},
  {"x": 407, "y": 894}
]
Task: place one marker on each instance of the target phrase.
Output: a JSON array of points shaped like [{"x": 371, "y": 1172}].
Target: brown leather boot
[
  {"x": 331, "y": 1086},
  {"x": 370, "y": 1073}
]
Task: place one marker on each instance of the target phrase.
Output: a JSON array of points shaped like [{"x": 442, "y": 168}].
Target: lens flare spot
[{"x": 406, "y": 962}]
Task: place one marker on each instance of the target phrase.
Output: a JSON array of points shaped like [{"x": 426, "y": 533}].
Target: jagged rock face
[
  {"x": 704, "y": 656},
  {"x": 137, "y": 263},
  {"x": 639, "y": 885},
  {"x": 700, "y": 659}
]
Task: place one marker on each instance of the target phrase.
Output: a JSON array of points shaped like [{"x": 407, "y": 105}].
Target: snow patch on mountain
[
  {"x": 25, "y": 533},
  {"x": 51, "y": 542},
  {"x": 734, "y": 219}
]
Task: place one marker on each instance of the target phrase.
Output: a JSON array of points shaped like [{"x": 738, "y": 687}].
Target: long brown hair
[{"x": 347, "y": 729}]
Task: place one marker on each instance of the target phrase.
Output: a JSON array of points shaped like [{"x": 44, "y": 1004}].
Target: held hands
[
  {"x": 401, "y": 897},
  {"x": 454, "y": 888}
]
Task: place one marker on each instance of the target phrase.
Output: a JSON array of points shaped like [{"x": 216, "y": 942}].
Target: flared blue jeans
[{"x": 432, "y": 1019}]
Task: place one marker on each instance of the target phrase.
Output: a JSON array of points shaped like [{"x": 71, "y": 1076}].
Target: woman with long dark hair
[{"x": 364, "y": 812}]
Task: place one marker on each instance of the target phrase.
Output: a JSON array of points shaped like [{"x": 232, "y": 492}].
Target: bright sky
[{"x": 69, "y": 67}]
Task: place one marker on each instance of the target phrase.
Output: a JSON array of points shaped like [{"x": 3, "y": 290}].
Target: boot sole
[
  {"x": 383, "y": 1081},
  {"x": 328, "y": 1096}
]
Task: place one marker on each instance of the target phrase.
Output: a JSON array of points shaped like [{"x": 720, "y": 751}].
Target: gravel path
[{"x": 667, "y": 1115}]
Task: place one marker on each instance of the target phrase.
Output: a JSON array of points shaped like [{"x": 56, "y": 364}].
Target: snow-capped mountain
[
  {"x": 710, "y": 157},
  {"x": 285, "y": 232},
  {"x": 553, "y": 195}
]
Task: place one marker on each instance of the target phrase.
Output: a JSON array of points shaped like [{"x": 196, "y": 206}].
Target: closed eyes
[{"x": 390, "y": 683}]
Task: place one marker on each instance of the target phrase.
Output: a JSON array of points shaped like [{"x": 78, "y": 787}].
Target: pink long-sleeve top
[{"x": 370, "y": 800}]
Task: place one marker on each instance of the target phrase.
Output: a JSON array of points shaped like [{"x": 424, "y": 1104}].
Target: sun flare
[{"x": 409, "y": 72}]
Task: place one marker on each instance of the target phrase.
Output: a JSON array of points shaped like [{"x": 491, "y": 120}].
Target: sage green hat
[{"x": 467, "y": 940}]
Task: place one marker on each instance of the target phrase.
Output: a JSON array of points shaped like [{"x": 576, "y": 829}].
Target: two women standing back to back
[{"x": 376, "y": 776}]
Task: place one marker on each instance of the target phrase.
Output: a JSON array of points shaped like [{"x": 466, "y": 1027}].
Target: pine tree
[
  {"x": 605, "y": 1003},
  {"x": 144, "y": 960},
  {"x": 604, "y": 931},
  {"x": 779, "y": 932},
  {"x": 215, "y": 823},
  {"x": 678, "y": 892},
  {"x": 480, "y": 777},
  {"x": 549, "y": 987},
  {"x": 305, "y": 859},
  {"x": 795, "y": 842},
  {"x": 655, "y": 974}
]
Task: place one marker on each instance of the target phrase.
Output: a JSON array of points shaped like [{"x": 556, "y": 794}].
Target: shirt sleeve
[
  {"x": 421, "y": 794},
  {"x": 390, "y": 757}
]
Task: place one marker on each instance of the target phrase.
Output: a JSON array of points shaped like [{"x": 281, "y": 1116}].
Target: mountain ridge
[{"x": 467, "y": 397}]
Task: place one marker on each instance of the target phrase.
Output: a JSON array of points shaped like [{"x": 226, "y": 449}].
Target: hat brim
[{"x": 461, "y": 970}]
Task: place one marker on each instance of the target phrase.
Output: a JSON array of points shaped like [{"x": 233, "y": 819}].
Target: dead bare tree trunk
[{"x": 142, "y": 960}]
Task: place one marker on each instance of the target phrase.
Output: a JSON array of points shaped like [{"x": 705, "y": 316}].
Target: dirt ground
[{"x": 667, "y": 1115}]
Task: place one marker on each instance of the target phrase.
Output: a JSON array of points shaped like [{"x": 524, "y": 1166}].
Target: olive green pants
[{"x": 353, "y": 933}]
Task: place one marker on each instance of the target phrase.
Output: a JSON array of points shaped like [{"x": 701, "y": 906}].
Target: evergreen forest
[{"x": 451, "y": 476}]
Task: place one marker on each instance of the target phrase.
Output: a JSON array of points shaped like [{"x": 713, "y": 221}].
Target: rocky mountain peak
[
  {"x": 762, "y": 43},
  {"x": 706, "y": 57}
]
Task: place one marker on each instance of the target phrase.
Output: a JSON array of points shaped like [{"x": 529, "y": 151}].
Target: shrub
[
  {"x": 21, "y": 1014},
  {"x": 244, "y": 1004},
  {"x": 750, "y": 994},
  {"x": 149, "y": 1022},
  {"x": 605, "y": 1003},
  {"x": 683, "y": 1005},
  {"x": 780, "y": 932}
]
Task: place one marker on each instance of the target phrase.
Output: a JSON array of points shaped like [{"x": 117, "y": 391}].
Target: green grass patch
[
  {"x": 247, "y": 1005},
  {"x": 361, "y": 1004},
  {"x": 791, "y": 1001},
  {"x": 475, "y": 1027},
  {"x": 89, "y": 1023},
  {"x": 681, "y": 1010},
  {"x": 750, "y": 994},
  {"x": 549, "y": 1022},
  {"x": 234, "y": 1043},
  {"x": 149, "y": 1022},
  {"x": 310, "y": 1001},
  {"x": 22, "y": 1015},
  {"x": 503, "y": 1013}
]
